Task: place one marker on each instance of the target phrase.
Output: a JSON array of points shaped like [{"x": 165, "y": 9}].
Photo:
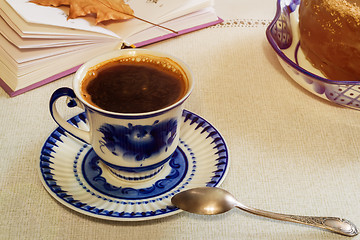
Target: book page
[
  {"x": 24, "y": 55},
  {"x": 34, "y": 30},
  {"x": 53, "y": 16},
  {"x": 153, "y": 10},
  {"x": 24, "y": 76},
  {"x": 156, "y": 11},
  {"x": 182, "y": 25},
  {"x": 15, "y": 39},
  {"x": 183, "y": 10}
]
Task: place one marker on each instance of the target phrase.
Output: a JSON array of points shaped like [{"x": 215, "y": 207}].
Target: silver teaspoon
[{"x": 212, "y": 200}]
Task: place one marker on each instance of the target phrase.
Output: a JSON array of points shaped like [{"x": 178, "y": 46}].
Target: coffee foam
[{"x": 162, "y": 63}]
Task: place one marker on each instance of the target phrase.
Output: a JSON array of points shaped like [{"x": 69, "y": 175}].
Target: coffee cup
[{"x": 133, "y": 99}]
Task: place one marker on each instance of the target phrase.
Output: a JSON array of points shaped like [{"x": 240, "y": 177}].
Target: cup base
[{"x": 135, "y": 177}]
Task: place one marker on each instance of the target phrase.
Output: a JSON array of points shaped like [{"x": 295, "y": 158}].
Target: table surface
[{"x": 290, "y": 151}]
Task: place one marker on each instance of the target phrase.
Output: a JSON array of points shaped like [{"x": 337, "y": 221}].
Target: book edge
[{"x": 13, "y": 93}]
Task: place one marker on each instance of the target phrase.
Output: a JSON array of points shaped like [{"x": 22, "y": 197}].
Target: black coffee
[{"x": 134, "y": 86}]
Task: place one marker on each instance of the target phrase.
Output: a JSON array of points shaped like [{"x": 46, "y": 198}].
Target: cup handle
[{"x": 72, "y": 101}]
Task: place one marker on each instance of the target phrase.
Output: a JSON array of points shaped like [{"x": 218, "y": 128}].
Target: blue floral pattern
[
  {"x": 93, "y": 174},
  {"x": 138, "y": 141}
]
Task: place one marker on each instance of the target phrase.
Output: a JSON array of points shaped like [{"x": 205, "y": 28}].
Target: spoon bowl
[
  {"x": 212, "y": 200},
  {"x": 205, "y": 201}
]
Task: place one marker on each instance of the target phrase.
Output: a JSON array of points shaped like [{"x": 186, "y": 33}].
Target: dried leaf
[{"x": 103, "y": 9}]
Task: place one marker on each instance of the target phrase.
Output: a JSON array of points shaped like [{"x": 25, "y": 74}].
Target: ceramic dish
[
  {"x": 73, "y": 174},
  {"x": 283, "y": 36}
]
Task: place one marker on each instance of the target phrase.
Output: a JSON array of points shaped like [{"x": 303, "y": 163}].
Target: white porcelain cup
[{"x": 134, "y": 146}]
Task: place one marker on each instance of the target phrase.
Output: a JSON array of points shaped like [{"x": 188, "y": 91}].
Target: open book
[{"x": 38, "y": 44}]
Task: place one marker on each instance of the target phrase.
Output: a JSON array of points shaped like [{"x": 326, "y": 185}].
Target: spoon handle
[{"x": 334, "y": 224}]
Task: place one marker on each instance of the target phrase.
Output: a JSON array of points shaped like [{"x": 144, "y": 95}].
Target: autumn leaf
[{"x": 103, "y": 9}]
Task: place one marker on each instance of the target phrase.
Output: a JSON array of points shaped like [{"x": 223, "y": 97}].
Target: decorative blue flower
[{"x": 139, "y": 141}]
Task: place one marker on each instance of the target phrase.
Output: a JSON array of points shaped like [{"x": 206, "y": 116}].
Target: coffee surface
[{"x": 133, "y": 87}]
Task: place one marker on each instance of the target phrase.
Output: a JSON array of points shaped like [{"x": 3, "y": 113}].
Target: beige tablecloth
[{"x": 290, "y": 151}]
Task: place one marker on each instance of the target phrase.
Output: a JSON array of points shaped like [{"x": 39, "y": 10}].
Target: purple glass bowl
[{"x": 283, "y": 36}]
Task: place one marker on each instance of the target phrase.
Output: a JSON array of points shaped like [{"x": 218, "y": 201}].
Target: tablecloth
[{"x": 290, "y": 151}]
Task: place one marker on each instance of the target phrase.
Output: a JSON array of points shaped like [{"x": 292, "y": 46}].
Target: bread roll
[{"x": 330, "y": 37}]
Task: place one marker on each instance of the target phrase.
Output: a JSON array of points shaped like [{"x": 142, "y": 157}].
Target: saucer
[{"x": 73, "y": 174}]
